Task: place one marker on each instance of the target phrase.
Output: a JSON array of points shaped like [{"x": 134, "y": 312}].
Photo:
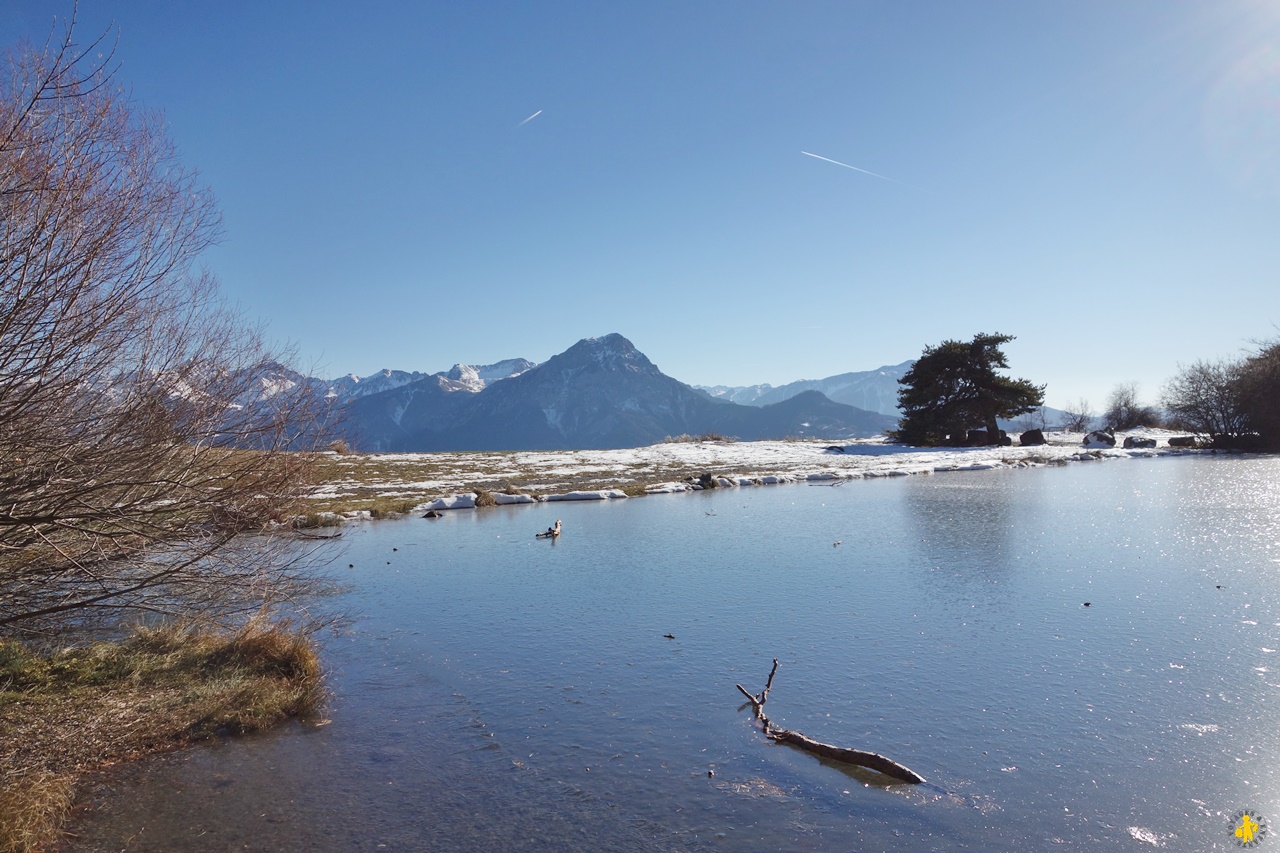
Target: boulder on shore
[
  {"x": 983, "y": 438},
  {"x": 1099, "y": 438},
  {"x": 1135, "y": 441},
  {"x": 1032, "y": 437}
]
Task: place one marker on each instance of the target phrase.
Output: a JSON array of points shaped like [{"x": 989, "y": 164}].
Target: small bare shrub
[{"x": 685, "y": 438}]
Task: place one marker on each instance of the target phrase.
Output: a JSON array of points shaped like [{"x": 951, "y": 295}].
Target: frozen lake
[{"x": 499, "y": 692}]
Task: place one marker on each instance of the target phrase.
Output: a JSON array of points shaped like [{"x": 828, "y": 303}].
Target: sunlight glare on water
[{"x": 500, "y": 692}]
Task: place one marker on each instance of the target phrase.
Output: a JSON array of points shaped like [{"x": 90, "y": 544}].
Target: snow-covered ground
[{"x": 671, "y": 467}]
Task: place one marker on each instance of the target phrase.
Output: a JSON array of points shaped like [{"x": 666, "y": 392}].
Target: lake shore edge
[
  {"x": 70, "y": 711},
  {"x": 357, "y": 487}
]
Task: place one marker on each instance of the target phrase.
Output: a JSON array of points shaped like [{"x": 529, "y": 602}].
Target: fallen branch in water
[{"x": 873, "y": 760}]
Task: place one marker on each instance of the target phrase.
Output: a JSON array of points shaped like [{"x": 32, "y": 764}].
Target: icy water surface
[{"x": 497, "y": 692}]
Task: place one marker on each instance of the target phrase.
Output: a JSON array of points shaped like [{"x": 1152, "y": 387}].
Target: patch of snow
[
  {"x": 504, "y": 499},
  {"x": 272, "y": 386},
  {"x": 329, "y": 494},
  {"x": 743, "y": 463},
  {"x": 667, "y": 488},
  {"x": 465, "y": 501},
  {"x": 597, "y": 495}
]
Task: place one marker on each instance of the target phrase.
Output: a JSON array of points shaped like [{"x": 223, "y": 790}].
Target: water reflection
[{"x": 500, "y": 693}]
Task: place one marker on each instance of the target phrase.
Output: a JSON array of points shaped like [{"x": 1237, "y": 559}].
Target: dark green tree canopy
[{"x": 954, "y": 387}]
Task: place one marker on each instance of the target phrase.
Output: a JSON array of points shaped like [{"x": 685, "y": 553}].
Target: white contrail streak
[
  {"x": 855, "y": 168},
  {"x": 529, "y": 119}
]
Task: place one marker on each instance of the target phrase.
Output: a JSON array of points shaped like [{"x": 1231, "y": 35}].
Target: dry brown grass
[
  {"x": 77, "y": 709},
  {"x": 31, "y": 812},
  {"x": 388, "y": 485}
]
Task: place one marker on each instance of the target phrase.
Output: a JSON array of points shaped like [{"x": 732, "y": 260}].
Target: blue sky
[{"x": 1100, "y": 179}]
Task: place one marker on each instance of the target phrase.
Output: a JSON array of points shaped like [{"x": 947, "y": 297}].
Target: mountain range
[
  {"x": 599, "y": 393},
  {"x": 873, "y": 390}
]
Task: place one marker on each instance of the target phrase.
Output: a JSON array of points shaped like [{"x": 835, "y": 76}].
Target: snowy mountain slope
[
  {"x": 461, "y": 377},
  {"x": 600, "y": 393},
  {"x": 872, "y": 390}
]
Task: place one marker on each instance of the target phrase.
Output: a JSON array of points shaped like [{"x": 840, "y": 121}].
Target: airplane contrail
[
  {"x": 855, "y": 168},
  {"x": 529, "y": 119}
]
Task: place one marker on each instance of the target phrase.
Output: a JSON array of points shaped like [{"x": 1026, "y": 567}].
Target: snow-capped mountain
[
  {"x": 601, "y": 392},
  {"x": 873, "y": 390},
  {"x": 743, "y": 394},
  {"x": 461, "y": 377}
]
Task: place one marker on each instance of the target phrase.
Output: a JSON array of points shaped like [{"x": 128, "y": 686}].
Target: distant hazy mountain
[
  {"x": 745, "y": 395},
  {"x": 600, "y": 393},
  {"x": 873, "y": 390}
]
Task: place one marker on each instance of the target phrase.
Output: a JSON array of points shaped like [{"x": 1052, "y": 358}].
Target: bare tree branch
[
  {"x": 145, "y": 429},
  {"x": 861, "y": 757}
]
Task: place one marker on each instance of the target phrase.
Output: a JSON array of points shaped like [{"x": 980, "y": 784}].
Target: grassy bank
[
  {"x": 387, "y": 484},
  {"x": 393, "y": 483},
  {"x": 76, "y": 709}
]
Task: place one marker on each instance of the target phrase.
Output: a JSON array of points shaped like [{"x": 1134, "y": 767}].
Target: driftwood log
[{"x": 862, "y": 758}]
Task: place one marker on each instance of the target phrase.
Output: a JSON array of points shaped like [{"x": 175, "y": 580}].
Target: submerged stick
[{"x": 862, "y": 758}]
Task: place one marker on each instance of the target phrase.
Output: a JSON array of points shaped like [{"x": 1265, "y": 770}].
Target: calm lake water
[{"x": 496, "y": 692}]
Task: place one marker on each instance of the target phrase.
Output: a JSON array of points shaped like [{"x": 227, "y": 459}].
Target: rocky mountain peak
[
  {"x": 504, "y": 369},
  {"x": 461, "y": 377},
  {"x": 461, "y": 372},
  {"x": 610, "y": 354}
]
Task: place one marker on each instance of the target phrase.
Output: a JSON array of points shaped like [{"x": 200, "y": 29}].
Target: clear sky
[{"x": 1100, "y": 179}]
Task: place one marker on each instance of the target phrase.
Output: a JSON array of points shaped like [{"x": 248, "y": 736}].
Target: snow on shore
[{"x": 740, "y": 464}]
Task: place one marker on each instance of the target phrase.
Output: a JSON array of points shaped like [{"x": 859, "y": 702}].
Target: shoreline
[
  {"x": 357, "y": 488},
  {"x": 73, "y": 710}
]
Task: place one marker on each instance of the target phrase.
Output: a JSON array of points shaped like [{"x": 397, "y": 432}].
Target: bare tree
[
  {"x": 1204, "y": 398},
  {"x": 143, "y": 432},
  {"x": 1035, "y": 419},
  {"x": 1077, "y": 416},
  {"x": 1258, "y": 391},
  {"x": 1125, "y": 412}
]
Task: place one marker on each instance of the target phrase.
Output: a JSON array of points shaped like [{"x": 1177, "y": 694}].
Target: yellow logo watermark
[{"x": 1248, "y": 828}]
